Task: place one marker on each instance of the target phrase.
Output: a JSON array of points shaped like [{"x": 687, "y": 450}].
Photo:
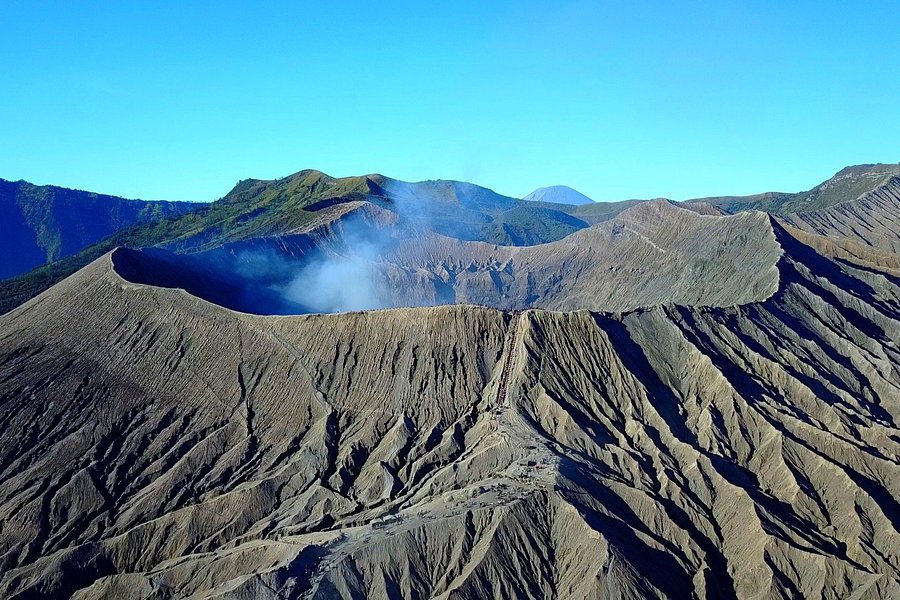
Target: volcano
[{"x": 661, "y": 400}]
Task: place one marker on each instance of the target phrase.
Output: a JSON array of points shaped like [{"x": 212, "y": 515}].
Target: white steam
[
  {"x": 345, "y": 271},
  {"x": 338, "y": 283}
]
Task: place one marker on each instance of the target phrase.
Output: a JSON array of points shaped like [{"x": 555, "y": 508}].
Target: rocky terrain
[
  {"x": 299, "y": 203},
  {"x": 652, "y": 253},
  {"x": 858, "y": 208},
  {"x": 872, "y": 219},
  {"x": 670, "y": 403}
]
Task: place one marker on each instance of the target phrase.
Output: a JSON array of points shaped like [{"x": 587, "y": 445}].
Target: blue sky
[{"x": 179, "y": 100}]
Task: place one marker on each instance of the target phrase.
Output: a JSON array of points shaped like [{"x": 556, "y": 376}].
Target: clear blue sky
[{"x": 619, "y": 99}]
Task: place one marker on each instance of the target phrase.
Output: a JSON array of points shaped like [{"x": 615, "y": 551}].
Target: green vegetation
[
  {"x": 43, "y": 224},
  {"x": 847, "y": 185},
  {"x": 602, "y": 211},
  {"x": 526, "y": 225},
  {"x": 256, "y": 208}
]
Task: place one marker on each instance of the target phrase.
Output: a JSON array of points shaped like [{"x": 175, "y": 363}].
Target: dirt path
[
  {"x": 535, "y": 468},
  {"x": 512, "y": 342}
]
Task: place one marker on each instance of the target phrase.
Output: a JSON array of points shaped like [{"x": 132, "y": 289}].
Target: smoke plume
[{"x": 340, "y": 281}]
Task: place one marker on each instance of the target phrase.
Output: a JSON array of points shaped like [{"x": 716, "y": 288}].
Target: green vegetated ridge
[
  {"x": 847, "y": 185},
  {"x": 42, "y": 224},
  {"x": 257, "y": 208}
]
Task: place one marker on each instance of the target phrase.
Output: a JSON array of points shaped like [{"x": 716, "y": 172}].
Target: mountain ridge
[
  {"x": 269, "y": 207},
  {"x": 44, "y": 223},
  {"x": 720, "y": 260},
  {"x": 847, "y": 185},
  {"x": 742, "y": 450}
]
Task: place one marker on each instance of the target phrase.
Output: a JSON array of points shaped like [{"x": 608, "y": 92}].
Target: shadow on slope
[
  {"x": 203, "y": 277},
  {"x": 654, "y": 253}
]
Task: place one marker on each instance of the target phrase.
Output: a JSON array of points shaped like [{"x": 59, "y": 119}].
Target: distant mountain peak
[{"x": 558, "y": 194}]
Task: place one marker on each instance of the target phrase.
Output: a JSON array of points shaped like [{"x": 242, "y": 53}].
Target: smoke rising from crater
[
  {"x": 342, "y": 268},
  {"x": 344, "y": 274},
  {"x": 338, "y": 282}
]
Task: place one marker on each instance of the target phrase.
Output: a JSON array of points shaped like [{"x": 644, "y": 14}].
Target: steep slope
[
  {"x": 858, "y": 209},
  {"x": 703, "y": 208},
  {"x": 846, "y": 185},
  {"x": 41, "y": 224},
  {"x": 558, "y": 194},
  {"x": 306, "y": 200},
  {"x": 653, "y": 253},
  {"x": 175, "y": 448},
  {"x": 469, "y": 212},
  {"x": 463, "y": 211},
  {"x": 847, "y": 250},
  {"x": 297, "y": 421},
  {"x": 593, "y": 213},
  {"x": 252, "y": 208},
  {"x": 872, "y": 219}
]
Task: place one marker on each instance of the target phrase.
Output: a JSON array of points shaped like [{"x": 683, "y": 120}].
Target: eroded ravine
[{"x": 179, "y": 449}]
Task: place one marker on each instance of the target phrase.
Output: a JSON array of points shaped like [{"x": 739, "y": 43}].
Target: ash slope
[
  {"x": 858, "y": 209},
  {"x": 283, "y": 207},
  {"x": 872, "y": 220},
  {"x": 180, "y": 449},
  {"x": 653, "y": 253}
]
